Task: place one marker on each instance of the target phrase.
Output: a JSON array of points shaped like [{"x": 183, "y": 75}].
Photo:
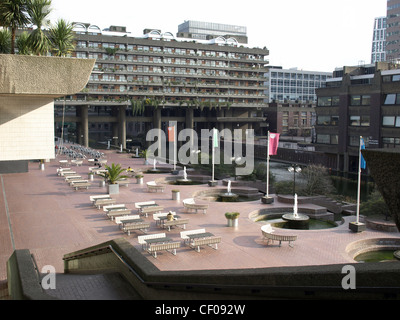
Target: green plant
[
  {"x": 175, "y": 190},
  {"x": 232, "y": 215},
  {"x": 113, "y": 174},
  {"x": 138, "y": 176},
  {"x": 61, "y": 37}
]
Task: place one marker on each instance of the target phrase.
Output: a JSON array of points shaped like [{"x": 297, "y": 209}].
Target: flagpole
[
  {"x": 267, "y": 193},
  {"x": 359, "y": 183}
]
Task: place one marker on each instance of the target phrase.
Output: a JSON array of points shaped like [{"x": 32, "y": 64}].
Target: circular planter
[{"x": 176, "y": 195}]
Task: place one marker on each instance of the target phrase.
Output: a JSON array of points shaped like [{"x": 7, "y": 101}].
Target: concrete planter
[
  {"x": 267, "y": 200},
  {"x": 212, "y": 183},
  {"x": 233, "y": 222},
  {"x": 90, "y": 176},
  {"x": 139, "y": 180},
  {"x": 113, "y": 188}
]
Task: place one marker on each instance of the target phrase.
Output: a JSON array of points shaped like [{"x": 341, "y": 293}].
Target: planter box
[
  {"x": 357, "y": 227},
  {"x": 176, "y": 195},
  {"x": 212, "y": 183},
  {"x": 139, "y": 180},
  {"x": 113, "y": 188}
]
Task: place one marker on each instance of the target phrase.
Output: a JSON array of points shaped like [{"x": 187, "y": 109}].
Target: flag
[
  {"x": 171, "y": 134},
  {"x": 362, "y": 160},
  {"x": 273, "y": 143},
  {"x": 215, "y": 138}
]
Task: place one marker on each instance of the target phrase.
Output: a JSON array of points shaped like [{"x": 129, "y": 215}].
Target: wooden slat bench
[
  {"x": 189, "y": 204},
  {"x": 142, "y": 239},
  {"x": 268, "y": 234},
  {"x": 103, "y": 202},
  {"x": 84, "y": 185},
  {"x": 176, "y": 222},
  {"x": 118, "y": 213},
  {"x": 196, "y": 243},
  {"x": 100, "y": 196},
  {"x": 143, "y": 226},
  {"x": 169, "y": 246},
  {"x": 119, "y": 220},
  {"x": 184, "y": 234},
  {"x": 123, "y": 182},
  {"x": 152, "y": 209}
]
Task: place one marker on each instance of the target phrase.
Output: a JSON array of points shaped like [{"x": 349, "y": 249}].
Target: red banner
[{"x": 273, "y": 143}]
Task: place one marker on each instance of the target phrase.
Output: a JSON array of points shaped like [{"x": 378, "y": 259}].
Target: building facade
[
  {"x": 393, "y": 30},
  {"x": 285, "y": 85},
  {"x": 139, "y": 83},
  {"x": 210, "y": 30},
  {"x": 378, "y": 52},
  {"x": 358, "y": 101}
]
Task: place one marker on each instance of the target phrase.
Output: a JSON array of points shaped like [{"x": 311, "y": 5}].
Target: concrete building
[
  {"x": 378, "y": 52},
  {"x": 358, "y": 101},
  {"x": 393, "y": 30},
  {"x": 144, "y": 82}
]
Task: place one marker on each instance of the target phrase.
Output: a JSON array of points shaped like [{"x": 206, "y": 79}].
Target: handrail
[{"x": 255, "y": 287}]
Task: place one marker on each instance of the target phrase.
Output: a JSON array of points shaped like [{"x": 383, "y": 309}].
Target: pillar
[
  {"x": 85, "y": 126},
  {"x": 122, "y": 126}
]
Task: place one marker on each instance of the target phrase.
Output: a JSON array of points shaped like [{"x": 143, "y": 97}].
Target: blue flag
[{"x": 362, "y": 146}]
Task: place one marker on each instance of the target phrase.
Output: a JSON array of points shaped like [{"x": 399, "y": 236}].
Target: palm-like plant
[
  {"x": 22, "y": 44},
  {"x": 38, "y": 11},
  {"x": 5, "y": 41},
  {"x": 13, "y": 15},
  {"x": 62, "y": 38},
  {"x": 114, "y": 173}
]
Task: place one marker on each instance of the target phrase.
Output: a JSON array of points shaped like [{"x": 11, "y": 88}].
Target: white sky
[{"x": 313, "y": 35}]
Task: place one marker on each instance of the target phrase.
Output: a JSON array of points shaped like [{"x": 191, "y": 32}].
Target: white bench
[
  {"x": 70, "y": 178},
  {"x": 152, "y": 186},
  {"x": 123, "y": 182},
  {"x": 112, "y": 214},
  {"x": 114, "y": 206},
  {"x": 268, "y": 234},
  {"x": 84, "y": 185},
  {"x": 102, "y": 196},
  {"x": 67, "y": 173},
  {"x": 119, "y": 220},
  {"x": 196, "y": 243},
  {"x": 139, "y": 204},
  {"x": 142, "y": 239},
  {"x": 60, "y": 170},
  {"x": 190, "y": 204},
  {"x": 77, "y": 181},
  {"x": 169, "y": 246},
  {"x": 184, "y": 234}
]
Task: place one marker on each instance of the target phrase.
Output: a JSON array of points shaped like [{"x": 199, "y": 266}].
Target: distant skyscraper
[
  {"x": 210, "y": 30},
  {"x": 379, "y": 40},
  {"x": 393, "y": 30}
]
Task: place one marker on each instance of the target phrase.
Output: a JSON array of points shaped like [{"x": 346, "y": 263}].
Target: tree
[
  {"x": 113, "y": 174},
  {"x": 22, "y": 44},
  {"x": 5, "y": 41},
  {"x": 317, "y": 181},
  {"x": 13, "y": 15},
  {"x": 38, "y": 11},
  {"x": 62, "y": 38}
]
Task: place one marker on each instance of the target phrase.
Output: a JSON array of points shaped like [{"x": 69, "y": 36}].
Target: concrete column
[
  {"x": 85, "y": 126},
  {"x": 122, "y": 126}
]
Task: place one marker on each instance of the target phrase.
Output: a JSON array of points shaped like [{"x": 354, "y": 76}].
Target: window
[
  {"x": 358, "y": 100},
  {"x": 357, "y": 121},
  {"x": 323, "y": 138},
  {"x": 328, "y": 101},
  {"x": 392, "y": 98},
  {"x": 324, "y": 120},
  {"x": 388, "y": 121}
]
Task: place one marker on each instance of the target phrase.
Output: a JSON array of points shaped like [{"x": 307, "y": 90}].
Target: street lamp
[{"x": 295, "y": 169}]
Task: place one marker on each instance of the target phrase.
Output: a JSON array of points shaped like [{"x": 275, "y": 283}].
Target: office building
[
  {"x": 393, "y": 30},
  {"x": 139, "y": 83},
  {"x": 285, "y": 85},
  {"x": 378, "y": 52},
  {"x": 358, "y": 101}
]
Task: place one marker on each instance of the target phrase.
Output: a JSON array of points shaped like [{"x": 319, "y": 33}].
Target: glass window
[
  {"x": 397, "y": 122},
  {"x": 324, "y": 101},
  {"x": 323, "y": 138},
  {"x": 355, "y": 100},
  {"x": 334, "y": 139},
  {"x": 388, "y": 121},
  {"x": 355, "y": 121},
  {"x": 390, "y": 98},
  {"x": 366, "y": 100},
  {"x": 324, "y": 120}
]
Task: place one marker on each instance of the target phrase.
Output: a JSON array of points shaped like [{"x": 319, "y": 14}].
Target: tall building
[
  {"x": 210, "y": 30},
  {"x": 284, "y": 85},
  {"x": 393, "y": 30},
  {"x": 358, "y": 101},
  {"x": 378, "y": 52},
  {"x": 139, "y": 83}
]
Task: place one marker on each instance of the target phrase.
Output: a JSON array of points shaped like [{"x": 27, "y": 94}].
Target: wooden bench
[
  {"x": 112, "y": 214},
  {"x": 120, "y": 219},
  {"x": 152, "y": 186},
  {"x": 268, "y": 234},
  {"x": 113, "y": 206},
  {"x": 101, "y": 196},
  {"x": 85, "y": 185},
  {"x": 169, "y": 246},
  {"x": 77, "y": 181},
  {"x": 143, "y": 226},
  {"x": 196, "y": 243},
  {"x": 152, "y": 209},
  {"x": 103, "y": 202},
  {"x": 190, "y": 204},
  {"x": 176, "y": 222}
]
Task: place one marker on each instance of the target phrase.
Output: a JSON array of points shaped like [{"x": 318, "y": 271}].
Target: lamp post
[{"x": 295, "y": 169}]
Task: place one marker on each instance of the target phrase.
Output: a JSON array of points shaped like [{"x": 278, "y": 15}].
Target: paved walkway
[{"x": 39, "y": 211}]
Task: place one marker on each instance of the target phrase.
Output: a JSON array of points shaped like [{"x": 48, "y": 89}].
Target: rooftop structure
[{"x": 378, "y": 52}]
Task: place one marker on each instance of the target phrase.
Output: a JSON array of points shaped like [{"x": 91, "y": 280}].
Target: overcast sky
[{"x": 313, "y": 35}]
